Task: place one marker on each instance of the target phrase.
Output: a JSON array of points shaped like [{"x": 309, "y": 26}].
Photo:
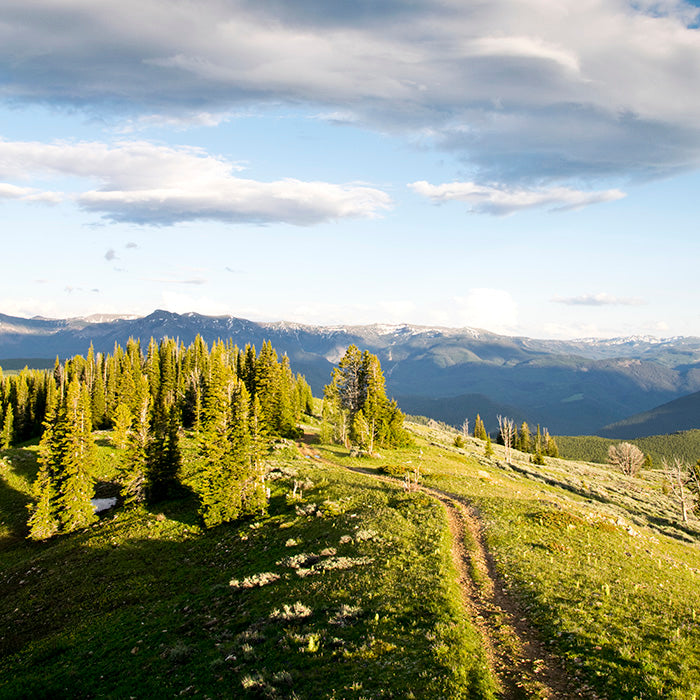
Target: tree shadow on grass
[
  {"x": 13, "y": 502},
  {"x": 182, "y": 506},
  {"x": 13, "y": 515},
  {"x": 24, "y": 463}
]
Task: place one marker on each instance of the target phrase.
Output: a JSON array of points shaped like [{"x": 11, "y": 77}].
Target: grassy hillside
[
  {"x": 599, "y": 562},
  {"x": 349, "y": 588},
  {"x": 326, "y": 597}
]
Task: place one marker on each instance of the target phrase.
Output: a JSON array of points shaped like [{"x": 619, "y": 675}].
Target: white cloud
[
  {"x": 491, "y": 309},
  {"x": 28, "y": 194},
  {"x": 600, "y": 299},
  {"x": 179, "y": 122},
  {"x": 148, "y": 184},
  {"x": 503, "y": 200}
]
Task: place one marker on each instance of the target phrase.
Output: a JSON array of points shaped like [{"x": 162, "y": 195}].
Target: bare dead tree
[
  {"x": 681, "y": 476},
  {"x": 465, "y": 427},
  {"x": 626, "y": 457},
  {"x": 506, "y": 427}
]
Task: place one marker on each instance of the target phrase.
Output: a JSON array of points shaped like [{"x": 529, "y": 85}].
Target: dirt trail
[{"x": 521, "y": 663}]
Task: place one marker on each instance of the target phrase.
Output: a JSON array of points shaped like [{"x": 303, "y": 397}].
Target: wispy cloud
[
  {"x": 111, "y": 254},
  {"x": 28, "y": 194},
  {"x": 191, "y": 276},
  {"x": 601, "y": 299},
  {"x": 502, "y": 200},
  {"x": 157, "y": 185},
  {"x": 179, "y": 122}
]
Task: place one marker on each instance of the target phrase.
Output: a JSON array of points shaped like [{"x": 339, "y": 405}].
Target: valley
[{"x": 570, "y": 387}]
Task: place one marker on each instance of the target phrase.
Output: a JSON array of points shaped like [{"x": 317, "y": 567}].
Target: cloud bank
[
  {"x": 514, "y": 87},
  {"x": 158, "y": 185},
  {"x": 601, "y": 299}
]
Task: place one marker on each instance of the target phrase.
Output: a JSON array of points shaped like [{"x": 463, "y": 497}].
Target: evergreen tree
[
  {"x": 479, "y": 428},
  {"x": 230, "y": 441},
  {"x": 488, "y": 449},
  {"x": 355, "y": 406},
  {"x": 43, "y": 522},
  {"x": 538, "y": 446},
  {"x": 122, "y": 426},
  {"x": 219, "y": 500},
  {"x": 8, "y": 429},
  {"x": 267, "y": 387},
  {"x": 550, "y": 445},
  {"x": 164, "y": 448},
  {"x": 134, "y": 468},
  {"x": 248, "y": 367},
  {"x": 287, "y": 415},
  {"x": 523, "y": 441},
  {"x": 64, "y": 485},
  {"x": 152, "y": 369},
  {"x": 78, "y": 459},
  {"x": 99, "y": 403},
  {"x": 163, "y": 454}
]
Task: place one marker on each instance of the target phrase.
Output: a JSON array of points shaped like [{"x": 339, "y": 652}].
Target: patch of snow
[{"x": 100, "y": 504}]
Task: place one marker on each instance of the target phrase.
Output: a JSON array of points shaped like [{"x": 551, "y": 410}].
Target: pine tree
[
  {"x": 287, "y": 415},
  {"x": 78, "y": 458},
  {"x": 134, "y": 468},
  {"x": 163, "y": 449},
  {"x": 43, "y": 522},
  {"x": 479, "y": 428},
  {"x": 231, "y": 441},
  {"x": 122, "y": 426},
  {"x": 523, "y": 441},
  {"x": 8, "y": 430},
  {"x": 99, "y": 403},
  {"x": 358, "y": 386},
  {"x": 64, "y": 484},
  {"x": 152, "y": 369},
  {"x": 488, "y": 449},
  {"x": 219, "y": 502},
  {"x": 267, "y": 383}
]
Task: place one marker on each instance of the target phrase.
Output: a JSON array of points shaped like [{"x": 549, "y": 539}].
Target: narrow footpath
[{"x": 520, "y": 662}]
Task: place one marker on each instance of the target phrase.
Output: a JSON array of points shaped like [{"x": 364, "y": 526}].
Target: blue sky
[{"x": 529, "y": 167}]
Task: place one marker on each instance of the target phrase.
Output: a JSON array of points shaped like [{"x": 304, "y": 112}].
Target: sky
[{"x": 529, "y": 167}]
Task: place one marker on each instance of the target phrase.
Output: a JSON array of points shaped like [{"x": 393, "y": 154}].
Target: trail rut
[{"x": 521, "y": 663}]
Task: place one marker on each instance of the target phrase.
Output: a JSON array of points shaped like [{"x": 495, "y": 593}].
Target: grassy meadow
[
  {"x": 598, "y": 561},
  {"x": 347, "y": 588}
]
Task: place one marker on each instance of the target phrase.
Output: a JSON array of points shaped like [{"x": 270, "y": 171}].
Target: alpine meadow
[{"x": 349, "y": 350}]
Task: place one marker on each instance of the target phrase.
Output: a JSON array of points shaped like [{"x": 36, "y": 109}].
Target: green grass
[
  {"x": 350, "y": 591},
  {"x": 618, "y": 601},
  {"x": 141, "y": 604}
]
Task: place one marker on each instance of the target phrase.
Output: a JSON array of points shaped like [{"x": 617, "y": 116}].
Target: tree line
[{"x": 234, "y": 400}]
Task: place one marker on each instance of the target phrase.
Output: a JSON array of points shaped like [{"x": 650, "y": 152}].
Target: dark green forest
[{"x": 234, "y": 401}]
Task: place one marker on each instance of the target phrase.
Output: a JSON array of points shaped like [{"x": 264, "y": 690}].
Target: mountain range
[{"x": 571, "y": 387}]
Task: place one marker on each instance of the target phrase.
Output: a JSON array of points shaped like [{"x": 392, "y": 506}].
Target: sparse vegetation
[{"x": 626, "y": 457}]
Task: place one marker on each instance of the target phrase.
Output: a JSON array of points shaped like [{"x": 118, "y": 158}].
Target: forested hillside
[
  {"x": 679, "y": 414},
  {"x": 234, "y": 400}
]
